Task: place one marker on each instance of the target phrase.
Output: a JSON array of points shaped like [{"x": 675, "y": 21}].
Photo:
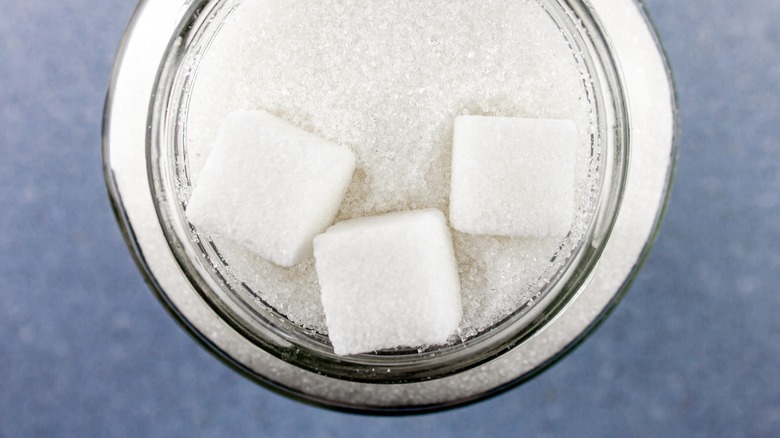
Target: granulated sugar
[{"x": 387, "y": 79}]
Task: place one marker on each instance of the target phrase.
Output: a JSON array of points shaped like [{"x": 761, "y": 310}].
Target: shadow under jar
[{"x": 629, "y": 153}]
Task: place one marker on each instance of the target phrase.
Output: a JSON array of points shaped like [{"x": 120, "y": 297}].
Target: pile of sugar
[{"x": 387, "y": 79}]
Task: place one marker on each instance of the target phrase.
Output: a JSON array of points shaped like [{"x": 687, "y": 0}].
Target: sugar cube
[
  {"x": 388, "y": 281},
  {"x": 270, "y": 186},
  {"x": 513, "y": 176}
]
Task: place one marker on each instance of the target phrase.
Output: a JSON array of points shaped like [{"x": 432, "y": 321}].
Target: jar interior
[{"x": 203, "y": 259}]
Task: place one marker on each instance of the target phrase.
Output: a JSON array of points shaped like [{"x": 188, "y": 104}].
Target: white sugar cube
[
  {"x": 389, "y": 281},
  {"x": 270, "y": 186},
  {"x": 513, "y": 176}
]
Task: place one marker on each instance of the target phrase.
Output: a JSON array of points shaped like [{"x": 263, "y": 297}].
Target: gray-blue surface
[{"x": 86, "y": 350}]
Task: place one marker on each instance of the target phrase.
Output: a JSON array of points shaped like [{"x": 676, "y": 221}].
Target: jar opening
[{"x": 202, "y": 261}]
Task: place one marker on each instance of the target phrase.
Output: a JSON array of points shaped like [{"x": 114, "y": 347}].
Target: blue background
[{"x": 86, "y": 350}]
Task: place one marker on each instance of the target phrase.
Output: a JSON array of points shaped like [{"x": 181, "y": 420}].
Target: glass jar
[{"x": 145, "y": 161}]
